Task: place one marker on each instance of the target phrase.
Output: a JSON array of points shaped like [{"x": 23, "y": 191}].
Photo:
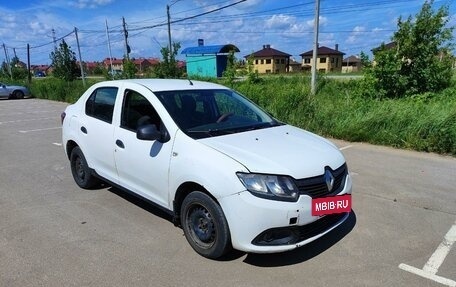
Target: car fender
[{"x": 213, "y": 170}]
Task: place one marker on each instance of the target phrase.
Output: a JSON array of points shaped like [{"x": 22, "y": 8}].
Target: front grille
[
  {"x": 294, "y": 234},
  {"x": 316, "y": 186}
]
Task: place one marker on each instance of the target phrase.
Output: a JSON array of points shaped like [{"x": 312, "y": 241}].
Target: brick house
[
  {"x": 269, "y": 60},
  {"x": 351, "y": 64},
  {"x": 328, "y": 60}
]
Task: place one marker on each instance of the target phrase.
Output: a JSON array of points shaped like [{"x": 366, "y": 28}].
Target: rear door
[
  {"x": 96, "y": 131},
  {"x": 142, "y": 166}
]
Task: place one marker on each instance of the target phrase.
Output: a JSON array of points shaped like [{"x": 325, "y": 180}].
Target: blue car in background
[
  {"x": 40, "y": 74},
  {"x": 13, "y": 92}
]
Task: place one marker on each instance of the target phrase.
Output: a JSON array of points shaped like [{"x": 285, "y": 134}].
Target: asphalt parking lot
[{"x": 52, "y": 233}]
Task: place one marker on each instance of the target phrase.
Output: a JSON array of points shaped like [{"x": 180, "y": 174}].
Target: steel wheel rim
[
  {"x": 79, "y": 168},
  {"x": 201, "y": 226},
  {"x": 19, "y": 95}
]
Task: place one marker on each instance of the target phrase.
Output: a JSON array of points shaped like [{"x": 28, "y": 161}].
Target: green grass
[
  {"x": 58, "y": 90},
  {"x": 424, "y": 123},
  {"x": 420, "y": 123}
]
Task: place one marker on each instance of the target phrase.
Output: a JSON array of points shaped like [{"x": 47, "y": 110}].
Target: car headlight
[{"x": 276, "y": 187}]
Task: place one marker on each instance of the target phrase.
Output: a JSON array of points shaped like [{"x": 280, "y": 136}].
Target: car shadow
[
  {"x": 292, "y": 257},
  {"x": 141, "y": 202},
  {"x": 305, "y": 252}
]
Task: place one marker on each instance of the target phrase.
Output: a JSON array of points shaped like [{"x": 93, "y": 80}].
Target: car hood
[{"x": 283, "y": 150}]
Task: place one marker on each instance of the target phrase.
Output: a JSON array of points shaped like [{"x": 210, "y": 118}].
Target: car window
[
  {"x": 229, "y": 105},
  {"x": 205, "y": 113},
  {"x": 137, "y": 111},
  {"x": 100, "y": 104}
]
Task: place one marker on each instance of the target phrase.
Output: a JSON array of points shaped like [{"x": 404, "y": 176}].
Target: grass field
[{"x": 424, "y": 122}]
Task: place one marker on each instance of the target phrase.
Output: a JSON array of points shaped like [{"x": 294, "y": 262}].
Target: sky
[{"x": 355, "y": 25}]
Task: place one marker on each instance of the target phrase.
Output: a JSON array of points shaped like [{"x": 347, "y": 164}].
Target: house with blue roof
[{"x": 207, "y": 61}]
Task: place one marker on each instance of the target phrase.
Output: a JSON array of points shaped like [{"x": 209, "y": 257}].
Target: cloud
[
  {"x": 207, "y": 5},
  {"x": 82, "y": 4},
  {"x": 356, "y": 35},
  {"x": 289, "y": 26},
  {"x": 38, "y": 27},
  {"x": 280, "y": 21},
  {"x": 322, "y": 21}
]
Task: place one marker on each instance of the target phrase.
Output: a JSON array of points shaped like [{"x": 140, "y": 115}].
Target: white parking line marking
[
  {"x": 39, "y": 130},
  {"x": 431, "y": 267},
  {"x": 430, "y": 276},
  {"x": 441, "y": 252},
  {"x": 27, "y": 120},
  {"x": 57, "y": 144},
  {"x": 32, "y": 112},
  {"x": 346, "y": 147}
]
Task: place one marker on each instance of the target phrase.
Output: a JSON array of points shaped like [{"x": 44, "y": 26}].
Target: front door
[{"x": 142, "y": 165}]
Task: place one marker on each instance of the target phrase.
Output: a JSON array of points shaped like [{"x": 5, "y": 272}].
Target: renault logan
[{"x": 231, "y": 175}]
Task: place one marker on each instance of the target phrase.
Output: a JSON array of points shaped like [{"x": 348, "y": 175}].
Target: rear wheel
[
  {"x": 80, "y": 170},
  {"x": 205, "y": 225}
]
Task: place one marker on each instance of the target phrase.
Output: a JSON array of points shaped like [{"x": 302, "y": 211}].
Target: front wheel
[
  {"x": 205, "y": 225},
  {"x": 80, "y": 170},
  {"x": 18, "y": 94}
]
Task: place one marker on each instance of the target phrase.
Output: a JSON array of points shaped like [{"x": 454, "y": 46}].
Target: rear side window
[{"x": 100, "y": 104}]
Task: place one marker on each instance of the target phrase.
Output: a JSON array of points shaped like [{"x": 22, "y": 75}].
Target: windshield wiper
[
  {"x": 262, "y": 126},
  {"x": 210, "y": 132}
]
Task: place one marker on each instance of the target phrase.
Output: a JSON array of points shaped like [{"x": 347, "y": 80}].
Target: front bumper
[{"x": 266, "y": 226}]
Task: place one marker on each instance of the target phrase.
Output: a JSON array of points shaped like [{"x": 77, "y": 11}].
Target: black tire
[
  {"x": 205, "y": 225},
  {"x": 82, "y": 174},
  {"x": 17, "y": 95}
]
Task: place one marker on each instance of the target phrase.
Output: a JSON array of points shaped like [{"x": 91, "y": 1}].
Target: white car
[
  {"x": 230, "y": 174},
  {"x": 13, "y": 92}
]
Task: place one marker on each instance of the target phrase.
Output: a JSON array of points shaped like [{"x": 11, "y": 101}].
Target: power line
[
  {"x": 188, "y": 18},
  {"x": 295, "y": 10},
  {"x": 52, "y": 42},
  {"x": 333, "y": 10}
]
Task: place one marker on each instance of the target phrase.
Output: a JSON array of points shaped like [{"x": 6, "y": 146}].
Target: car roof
[{"x": 157, "y": 85}]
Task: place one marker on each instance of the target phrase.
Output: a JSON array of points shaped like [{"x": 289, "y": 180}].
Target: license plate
[{"x": 330, "y": 205}]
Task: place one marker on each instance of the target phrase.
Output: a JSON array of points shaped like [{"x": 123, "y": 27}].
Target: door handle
[
  {"x": 83, "y": 129},
  {"x": 120, "y": 144}
]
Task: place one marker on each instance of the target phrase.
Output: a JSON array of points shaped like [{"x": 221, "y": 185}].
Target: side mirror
[{"x": 150, "y": 132}]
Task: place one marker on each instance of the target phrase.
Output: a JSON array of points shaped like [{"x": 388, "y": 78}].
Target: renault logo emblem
[{"x": 329, "y": 179}]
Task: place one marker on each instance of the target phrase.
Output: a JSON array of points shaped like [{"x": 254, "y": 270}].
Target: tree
[
  {"x": 252, "y": 74},
  {"x": 424, "y": 49},
  {"x": 64, "y": 63},
  {"x": 18, "y": 69},
  {"x": 4, "y": 70},
  {"x": 230, "y": 72},
  {"x": 421, "y": 61},
  {"x": 99, "y": 69},
  {"x": 129, "y": 69},
  {"x": 365, "y": 62},
  {"x": 168, "y": 68}
]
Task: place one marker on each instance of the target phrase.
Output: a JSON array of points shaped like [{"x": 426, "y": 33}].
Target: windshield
[{"x": 207, "y": 113}]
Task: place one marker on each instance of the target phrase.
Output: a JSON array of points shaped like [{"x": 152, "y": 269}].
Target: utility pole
[
  {"x": 315, "y": 47},
  {"x": 53, "y": 39},
  {"x": 169, "y": 34},
  {"x": 127, "y": 52},
  {"x": 29, "y": 75},
  {"x": 109, "y": 47},
  {"x": 80, "y": 57},
  {"x": 170, "y": 45},
  {"x": 7, "y": 61}
]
